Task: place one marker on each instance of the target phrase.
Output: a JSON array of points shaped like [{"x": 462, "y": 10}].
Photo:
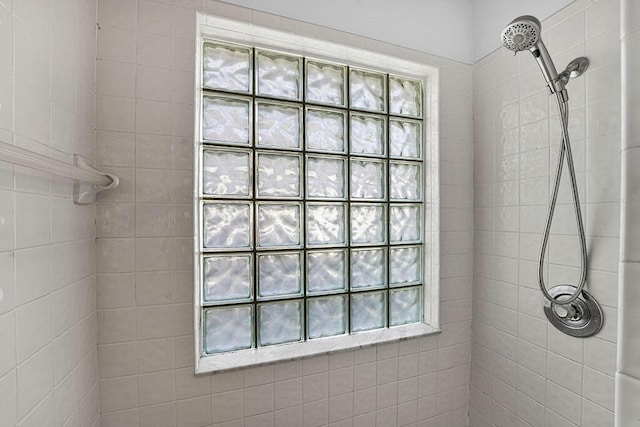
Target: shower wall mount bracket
[
  {"x": 84, "y": 193},
  {"x": 581, "y": 318},
  {"x": 574, "y": 69}
]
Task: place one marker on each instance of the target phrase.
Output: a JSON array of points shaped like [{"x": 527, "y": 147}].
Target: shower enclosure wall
[
  {"x": 48, "y": 326},
  {"x": 145, "y": 131},
  {"x": 504, "y": 365},
  {"x": 522, "y": 367}
]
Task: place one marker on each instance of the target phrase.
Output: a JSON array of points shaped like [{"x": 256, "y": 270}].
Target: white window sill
[{"x": 286, "y": 352}]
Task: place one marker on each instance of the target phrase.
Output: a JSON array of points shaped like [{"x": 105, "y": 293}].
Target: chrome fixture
[
  {"x": 569, "y": 308},
  {"x": 581, "y": 318},
  {"x": 523, "y": 33}
]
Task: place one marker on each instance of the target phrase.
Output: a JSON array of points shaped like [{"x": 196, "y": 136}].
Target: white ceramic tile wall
[
  {"x": 48, "y": 324},
  {"x": 144, "y": 283},
  {"x": 525, "y": 372}
]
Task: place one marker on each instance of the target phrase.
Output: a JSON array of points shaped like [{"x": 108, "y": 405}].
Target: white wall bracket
[{"x": 84, "y": 193}]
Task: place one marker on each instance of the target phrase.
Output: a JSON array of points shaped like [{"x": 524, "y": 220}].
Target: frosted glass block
[
  {"x": 405, "y": 139},
  {"x": 405, "y": 306},
  {"x": 368, "y": 224},
  {"x": 367, "y": 179},
  {"x": 278, "y": 175},
  {"x": 405, "y": 96},
  {"x": 405, "y": 266},
  {"x": 279, "y": 126},
  {"x": 279, "y": 275},
  {"x": 279, "y": 75},
  {"x": 279, "y": 225},
  {"x": 326, "y": 271},
  {"x": 228, "y": 329},
  {"x": 226, "y": 173},
  {"x": 325, "y": 130},
  {"x": 327, "y": 317},
  {"x": 326, "y": 177},
  {"x": 367, "y": 90},
  {"x": 326, "y": 224},
  {"x": 368, "y": 268},
  {"x": 227, "y": 225},
  {"x": 406, "y": 181},
  {"x": 406, "y": 224},
  {"x": 368, "y": 135},
  {"x": 326, "y": 83},
  {"x": 368, "y": 311},
  {"x": 227, "y": 278},
  {"x": 226, "y": 120},
  {"x": 279, "y": 322},
  {"x": 227, "y": 67}
]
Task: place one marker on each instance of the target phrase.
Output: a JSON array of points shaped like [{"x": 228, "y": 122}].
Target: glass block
[
  {"x": 326, "y": 83},
  {"x": 279, "y": 126},
  {"x": 406, "y": 222},
  {"x": 326, "y": 271},
  {"x": 368, "y": 268},
  {"x": 367, "y": 179},
  {"x": 227, "y": 225},
  {"x": 278, "y": 175},
  {"x": 406, "y": 181},
  {"x": 279, "y": 75},
  {"x": 368, "y": 135},
  {"x": 327, "y": 317},
  {"x": 227, "y": 67},
  {"x": 228, "y": 329},
  {"x": 367, "y": 90},
  {"x": 405, "y": 306},
  {"x": 405, "y": 139},
  {"x": 279, "y": 225},
  {"x": 279, "y": 322},
  {"x": 405, "y": 266},
  {"x": 227, "y": 278},
  {"x": 325, "y": 130},
  {"x": 326, "y": 177},
  {"x": 368, "y": 224},
  {"x": 326, "y": 224},
  {"x": 368, "y": 311},
  {"x": 227, "y": 173},
  {"x": 279, "y": 275},
  {"x": 226, "y": 120},
  {"x": 405, "y": 96}
]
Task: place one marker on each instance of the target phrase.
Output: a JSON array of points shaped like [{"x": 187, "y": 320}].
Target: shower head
[{"x": 523, "y": 33}]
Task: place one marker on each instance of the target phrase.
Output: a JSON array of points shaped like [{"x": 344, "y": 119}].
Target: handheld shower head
[{"x": 523, "y": 33}]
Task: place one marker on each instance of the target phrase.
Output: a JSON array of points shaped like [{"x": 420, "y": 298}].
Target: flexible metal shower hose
[{"x": 565, "y": 147}]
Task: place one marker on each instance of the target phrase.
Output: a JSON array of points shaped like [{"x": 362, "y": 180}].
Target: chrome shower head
[{"x": 522, "y": 33}]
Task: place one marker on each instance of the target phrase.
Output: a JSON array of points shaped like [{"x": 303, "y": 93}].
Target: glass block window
[{"x": 310, "y": 191}]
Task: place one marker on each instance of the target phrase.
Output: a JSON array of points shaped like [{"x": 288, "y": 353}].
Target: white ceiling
[
  {"x": 462, "y": 30},
  {"x": 417, "y": 24}
]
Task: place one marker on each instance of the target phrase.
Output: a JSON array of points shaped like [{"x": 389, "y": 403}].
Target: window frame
[{"x": 217, "y": 28}]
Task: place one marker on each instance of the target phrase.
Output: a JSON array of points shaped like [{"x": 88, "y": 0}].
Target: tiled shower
[
  {"x": 96, "y": 302},
  {"x": 522, "y": 366}
]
